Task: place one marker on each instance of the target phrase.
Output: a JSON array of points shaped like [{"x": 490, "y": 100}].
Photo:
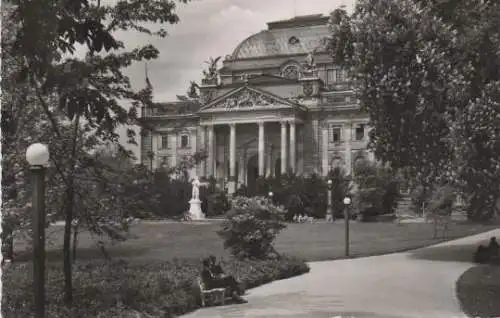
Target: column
[
  {"x": 154, "y": 150},
  {"x": 324, "y": 148},
  {"x": 283, "y": 148},
  {"x": 261, "y": 149},
  {"x": 293, "y": 150},
  {"x": 175, "y": 144},
  {"x": 203, "y": 164},
  {"x": 241, "y": 172},
  {"x": 348, "y": 137},
  {"x": 232, "y": 159},
  {"x": 210, "y": 155},
  {"x": 194, "y": 148},
  {"x": 269, "y": 164}
]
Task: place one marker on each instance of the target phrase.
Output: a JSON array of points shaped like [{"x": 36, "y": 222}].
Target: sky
[{"x": 210, "y": 28}]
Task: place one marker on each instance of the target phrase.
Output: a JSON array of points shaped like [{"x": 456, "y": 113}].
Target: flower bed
[{"x": 121, "y": 289}]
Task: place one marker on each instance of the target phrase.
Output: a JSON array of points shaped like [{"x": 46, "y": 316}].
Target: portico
[
  {"x": 265, "y": 147},
  {"x": 262, "y": 124}
]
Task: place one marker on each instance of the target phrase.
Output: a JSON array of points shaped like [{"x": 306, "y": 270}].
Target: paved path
[{"x": 390, "y": 286}]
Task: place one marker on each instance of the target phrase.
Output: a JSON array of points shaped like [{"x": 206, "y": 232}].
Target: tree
[
  {"x": 193, "y": 90},
  {"x": 426, "y": 79},
  {"x": 92, "y": 89}
]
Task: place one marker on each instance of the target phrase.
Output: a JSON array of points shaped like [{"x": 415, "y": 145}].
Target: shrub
[
  {"x": 217, "y": 204},
  {"x": 341, "y": 186},
  {"x": 214, "y": 200},
  {"x": 121, "y": 289},
  {"x": 251, "y": 227},
  {"x": 293, "y": 206},
  {"x": 378, "y": 191}
]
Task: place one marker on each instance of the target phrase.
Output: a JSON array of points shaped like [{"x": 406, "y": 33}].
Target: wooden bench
[{"x": 216, "y": 295}]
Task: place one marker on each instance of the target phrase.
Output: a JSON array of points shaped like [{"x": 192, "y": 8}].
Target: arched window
[{"x": 291, "y": 71}]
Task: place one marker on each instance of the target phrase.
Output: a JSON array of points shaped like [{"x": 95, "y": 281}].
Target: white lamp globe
[
  {"x": 330, "y": 181},
  {"x": 270, "y": 193},
  {"x": 37, "y": 154},
  {"x": 347, "y": 200}
]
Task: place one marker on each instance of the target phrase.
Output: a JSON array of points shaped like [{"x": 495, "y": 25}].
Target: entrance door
[
  {"x": 277, "y": 168},
  {"x": 252, "y": 173}
]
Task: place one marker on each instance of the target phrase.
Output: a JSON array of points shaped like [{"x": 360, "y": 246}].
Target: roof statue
[
  {"x": 211, "y": 73},
  {"x": 310, "y": 62}
]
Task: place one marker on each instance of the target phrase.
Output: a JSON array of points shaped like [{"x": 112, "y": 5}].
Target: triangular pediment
[{"x": 247, "y": 97}]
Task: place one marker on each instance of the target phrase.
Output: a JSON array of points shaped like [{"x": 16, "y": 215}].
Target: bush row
[
  {"x": 121, "y": 289},
  {"x": 375, "y": 191}
]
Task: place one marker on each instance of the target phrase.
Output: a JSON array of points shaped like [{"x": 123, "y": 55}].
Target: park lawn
[
  {"x": 478, "y": 290},
  {"x": 311, "y": 242}
]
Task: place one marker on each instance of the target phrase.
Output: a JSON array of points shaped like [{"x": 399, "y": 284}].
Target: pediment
[{"x": 245, "y": 98}]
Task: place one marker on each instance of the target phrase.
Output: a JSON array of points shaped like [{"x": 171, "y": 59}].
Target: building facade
[{"x": 277, "y": 104}]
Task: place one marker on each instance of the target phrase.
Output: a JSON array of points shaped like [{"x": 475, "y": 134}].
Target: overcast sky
[{"x": 211, "y": 28}]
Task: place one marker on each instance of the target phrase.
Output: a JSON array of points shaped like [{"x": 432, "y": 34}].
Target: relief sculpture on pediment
[{"x": 247, "y": 99}]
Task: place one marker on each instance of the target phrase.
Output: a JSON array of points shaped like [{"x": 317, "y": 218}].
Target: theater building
[{"x": 277, "y": 103}]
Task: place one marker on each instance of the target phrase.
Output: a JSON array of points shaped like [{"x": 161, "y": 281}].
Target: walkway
[{"x": 420, "y": 283}]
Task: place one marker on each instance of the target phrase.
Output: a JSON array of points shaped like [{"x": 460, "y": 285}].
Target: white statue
[
  {"x": 195, "y": 212},
  {"x": 196, "y": 189}
]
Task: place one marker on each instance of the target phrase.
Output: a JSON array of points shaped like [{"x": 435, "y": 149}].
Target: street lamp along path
[
  {"x": 347, "y": 202},
  {"x": 38, "y": 156}
]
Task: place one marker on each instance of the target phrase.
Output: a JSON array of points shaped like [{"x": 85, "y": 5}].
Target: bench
[{"x": 216, "y": 295}]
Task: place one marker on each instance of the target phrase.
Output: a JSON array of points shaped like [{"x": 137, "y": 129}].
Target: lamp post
[
  {"x": 347, "y": 203},
  {"x": 329, "y": 210},
  {"x": 37, "y": 156},
  {"x": 271, "y": 196}
]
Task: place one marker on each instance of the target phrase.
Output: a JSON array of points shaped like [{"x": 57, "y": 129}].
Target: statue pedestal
[{"x": 195, "y": 210}]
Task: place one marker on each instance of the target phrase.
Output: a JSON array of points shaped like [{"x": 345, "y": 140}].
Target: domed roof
[{"x": 299, "y": 35}]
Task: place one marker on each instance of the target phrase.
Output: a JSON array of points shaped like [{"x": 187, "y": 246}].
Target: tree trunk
[
  {"x": 70, "y": 203},
  {"x": 68, "y": 288},
  {"x": 75, "y": 241}
]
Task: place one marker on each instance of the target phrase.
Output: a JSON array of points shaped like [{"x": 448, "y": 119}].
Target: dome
[{"x": 299, "y": 35}]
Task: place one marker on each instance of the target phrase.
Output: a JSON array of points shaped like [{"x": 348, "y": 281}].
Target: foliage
[
  {"x": 214, "y": 200},
  {"x": 341, "y": 187},
  {"x": 53, "y": 81},
  {"x": 426, "y": 78},
  {"x": 377, "y": 191},
  {"x": 250, "y": 229},
  {"x": 173, "y": 194},
  {"x": 118, "y": 288},
  {"x": 294, "y": 192},
  {"x": 193, "y": 90},
  {"x": 442, "y": 200}
]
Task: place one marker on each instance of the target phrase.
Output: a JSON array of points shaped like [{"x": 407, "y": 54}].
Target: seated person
[
  {"x": 493, "y": 247},
  {"x": 226, "y": 280},
  {"x": 211, "y": 281},
  {"x": 481, "y": 255},
  {"x": 215, "y": 267}
]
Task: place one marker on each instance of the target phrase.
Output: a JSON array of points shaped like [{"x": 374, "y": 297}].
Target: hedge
[{"x": 138, "y": 289}]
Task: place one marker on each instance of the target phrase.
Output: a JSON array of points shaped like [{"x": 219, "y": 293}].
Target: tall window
[
  {"x": 360, "y": 132},
  {"x": 335, "y": 134},
  {"x": 163, "y": 142},
  {"x": 335, "y": 76},
  {"x": 184, "y": 141}
]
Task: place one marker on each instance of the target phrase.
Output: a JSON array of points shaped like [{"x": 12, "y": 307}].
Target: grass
[
  {"x": 311, "y": 242},
  {"x": 478, "y": 290}
]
